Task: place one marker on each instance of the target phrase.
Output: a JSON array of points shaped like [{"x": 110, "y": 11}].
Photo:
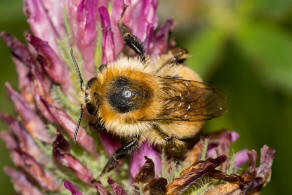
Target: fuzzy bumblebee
[{"x": 159, "y": 100}]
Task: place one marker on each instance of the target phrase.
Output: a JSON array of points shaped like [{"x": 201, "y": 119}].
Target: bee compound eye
[{"x": 91, "y": 108}]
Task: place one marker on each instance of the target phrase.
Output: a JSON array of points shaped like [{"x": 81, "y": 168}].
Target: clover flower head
[{"x": 47, "y": 105}]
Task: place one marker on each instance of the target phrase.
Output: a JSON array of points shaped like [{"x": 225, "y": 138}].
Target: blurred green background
[{"x": 243, "y": 47}]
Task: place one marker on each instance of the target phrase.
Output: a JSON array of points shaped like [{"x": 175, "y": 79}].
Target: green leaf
[
  {"x": 271, "y": 49},
  {"x": 205, "y": 48}
]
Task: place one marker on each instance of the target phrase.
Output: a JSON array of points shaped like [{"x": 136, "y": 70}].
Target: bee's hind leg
[
  {"x": 119, "y": 154},
  {"x": 178, "y": 56}
]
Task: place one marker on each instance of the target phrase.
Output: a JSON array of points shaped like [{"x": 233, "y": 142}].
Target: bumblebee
[{"x": 159, "y": 100}]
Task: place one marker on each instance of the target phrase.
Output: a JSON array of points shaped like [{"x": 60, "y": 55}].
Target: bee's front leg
[
  {"x": 132, "y": 41},
  {"x": 119, "y": 154}
]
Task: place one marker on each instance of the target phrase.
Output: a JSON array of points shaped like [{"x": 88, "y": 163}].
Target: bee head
[
  {"x": 126, "y": 95},
  {"x": 92, "y": 98}
]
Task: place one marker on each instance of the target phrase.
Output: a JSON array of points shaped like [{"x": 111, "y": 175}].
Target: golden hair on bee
[{"x": 159, "y": 100}]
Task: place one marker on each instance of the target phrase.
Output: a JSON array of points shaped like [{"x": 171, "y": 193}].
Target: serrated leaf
[
  {"x": 271, "y": 49},
  {"x": 205, "y": 49}
]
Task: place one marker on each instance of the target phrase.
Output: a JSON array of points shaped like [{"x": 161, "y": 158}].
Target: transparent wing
[{"x": 186, "y": 100}]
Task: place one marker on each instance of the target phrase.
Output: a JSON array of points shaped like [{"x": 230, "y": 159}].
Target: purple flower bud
[
  {"x": 17, "y": 48},
  {"x": 32, "y": 122},
  {"x": 40, "y": 23},
  {"x": 140, "y": 17},
  {"x": 20, "y": 52},
  {"x": 160, "y": 42},
  {"x": 117, "y": 189},
  {"x": 138, "y": 159},
  {"x": 25, "y": 141},
  {"x": 55, "y": 11},
  {"x": 11, "y": 143},
  {"x": 21, "y": 183},
  {"x": 69, "y": 127},
  {"x": 42, "y": 83},
  {"x": 117, "y": 8},
  {"x": 110, "y": 142},
  {"x": 220, "y": 143},
  {"x": 51, "y": 62},
  {"x": 108, "y": 47},
  {"x": 240, "y": 158},
  {"x": 24, "y": 81},
  {"x": 72, "y": 188},
  {"x": 45, "y": 179},
  {"x": 61, "y": 154},
  {"x": 42, "y": 107},
  {"x": 100, "y": 188},
  {"x": 83, "y": 19}
]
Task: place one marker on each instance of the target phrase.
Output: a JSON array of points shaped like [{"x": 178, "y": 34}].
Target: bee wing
[{"x": 186, "y": 100}]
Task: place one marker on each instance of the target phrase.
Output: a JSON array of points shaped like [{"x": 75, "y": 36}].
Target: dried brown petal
[
  {"x": 61, "y": 154},
  {"x": 252, "y": 155},
  {"x": 227, "y": 188},
  {"x": 156, "y": 186},
  {"x": 195, "y": 172},
  {"x": 251, "y": 181},
  {"x": 146, "y": 173},
  {"x": 267, "y": 157},
  {"x": 233, "y": 178},
  {"x": 263, "y": 172},
  {"x": 194, "y": 154}
]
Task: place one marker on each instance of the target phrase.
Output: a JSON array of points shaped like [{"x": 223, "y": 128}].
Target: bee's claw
[
  {"x": 111, "y": 164},
  {"x": 122, "y": 152}
]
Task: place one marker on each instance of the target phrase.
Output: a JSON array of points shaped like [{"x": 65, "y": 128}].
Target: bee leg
[
  {"x": 176, "y": 56},
  {"x": 175, "y": 148},
  {"x": 119, "y": 154},
  {"x": 179, "y": 55},
  {"x": 132, "y": 41}
]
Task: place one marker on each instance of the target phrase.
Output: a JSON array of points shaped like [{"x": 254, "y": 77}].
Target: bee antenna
[
  {"x": 77, "y": 68},
  {"x": 81, "y": 87},
  {"x": 78, "y": 123}
]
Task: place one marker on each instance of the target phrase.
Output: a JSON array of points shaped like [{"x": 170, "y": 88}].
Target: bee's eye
[{"x": 91, "y": 109}]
